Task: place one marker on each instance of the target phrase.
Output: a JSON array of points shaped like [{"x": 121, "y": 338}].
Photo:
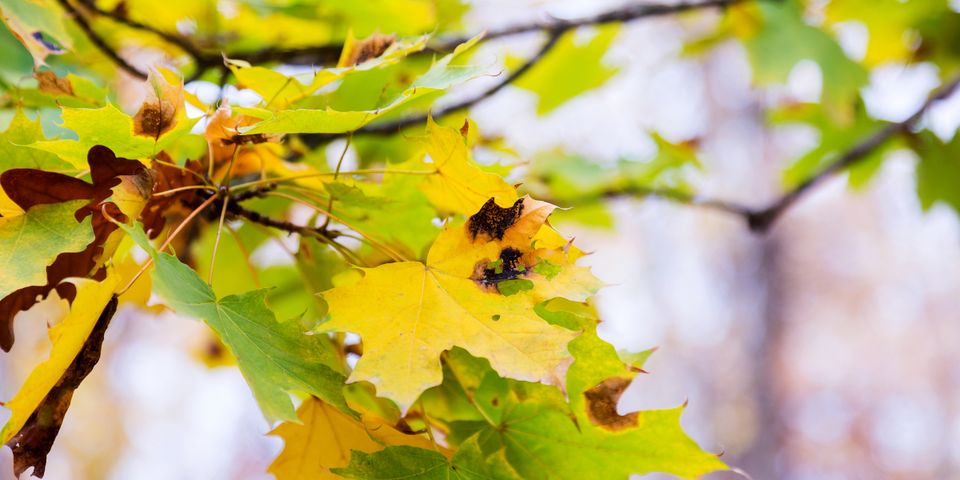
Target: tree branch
[
  {"x": 623, "y": 14},
  {"x": 762, "y": 220},
  {"x": 328, "y": 54},
  {"x": 680, "y": 197},
  {"x": 99, "y": 42}
]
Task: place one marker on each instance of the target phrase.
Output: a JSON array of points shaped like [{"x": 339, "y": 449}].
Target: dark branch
[
  {"x": 761, "y": 220},
  {"x": 99, "y": 42},
  {"x": 389, "y": 128},
  {"x": 327, "y": 54}
]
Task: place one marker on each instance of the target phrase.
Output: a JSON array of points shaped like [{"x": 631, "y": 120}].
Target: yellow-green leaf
[{"x": 31, "y": 242}]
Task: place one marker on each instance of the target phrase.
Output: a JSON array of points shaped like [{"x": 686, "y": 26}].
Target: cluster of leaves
[{"x": 478, "y": 355}]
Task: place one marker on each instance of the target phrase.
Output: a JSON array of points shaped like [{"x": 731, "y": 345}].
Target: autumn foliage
[{"x": 428, "y": 321}]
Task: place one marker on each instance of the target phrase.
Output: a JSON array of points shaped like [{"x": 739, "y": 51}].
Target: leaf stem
[
  {"x": 166, "y": 242},
  {"x": 216, "y": 243}
]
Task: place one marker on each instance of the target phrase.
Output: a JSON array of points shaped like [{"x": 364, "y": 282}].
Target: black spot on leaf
[{"x": 492, "y": 220}]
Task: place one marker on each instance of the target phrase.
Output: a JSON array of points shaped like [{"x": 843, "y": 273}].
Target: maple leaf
[
  {"x": 327, "y": 438},
  {"x": 160, "y": 121},
  {"x": 30, "y": 242},
  {"x": 579, "y": 65},
  {"x": 39, "y": 407},
  {"x": 279, "y": 91},
  {"x": 21, "y": 132},
  {"x": 120, "y": 186},
  {"x": 409, "y": 312},
  {"x": 440, "y": 76},
  {"x": 275, "y": 357},
  {"x": 542, "y": 437},
  {"x": 458, "y": 185}
]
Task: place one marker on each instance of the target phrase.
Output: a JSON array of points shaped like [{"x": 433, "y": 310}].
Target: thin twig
[
  {"x": 336, "y": 173},
  {"x": 166, "y": 242},
  {"x": 681, "y": 197},
  {"x": 99, "y": 42}
]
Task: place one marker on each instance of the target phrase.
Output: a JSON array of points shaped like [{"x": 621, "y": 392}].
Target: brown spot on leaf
[
  {"x": 29, "y": 187},
  {"x": 492, "y": 221},
  {"x": 50, "y": 83},
  {"x": 367, "y": 49},
  {"x": 154, "y": 118},
  {"x": 602, "y": 405},
  {"x": 33, "y": 442}
]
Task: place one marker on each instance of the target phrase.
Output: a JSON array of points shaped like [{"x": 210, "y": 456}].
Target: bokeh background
[{"x": 825, "y": 349}]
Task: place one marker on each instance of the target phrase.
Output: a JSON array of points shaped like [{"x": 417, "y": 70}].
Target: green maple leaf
[
  {"x": 468, "y": 463},
  {"x": 570, "y": 69},
  {"x": 275, "y": 357},
  {"x": 31, "y": 242},
  {"x": 785, "y": 39},
  {"x": 440, "y": 76},
  {"x": 543, "y": 435},
  {"x": 938, "y": 171}
]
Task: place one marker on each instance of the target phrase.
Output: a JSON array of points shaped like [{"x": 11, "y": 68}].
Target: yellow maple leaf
[
  {"x": 326, "y": 437},
  {"x": 477, "y": 290},
  {"x": 459, "y": 185},
  {"x": 68, "y": 338}
]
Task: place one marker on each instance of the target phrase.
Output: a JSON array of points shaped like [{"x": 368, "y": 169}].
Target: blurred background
[{"x": 825, "y": 349}]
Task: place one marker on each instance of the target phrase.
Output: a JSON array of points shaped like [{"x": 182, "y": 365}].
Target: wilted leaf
[
  {"x": 119, "y": 180},
  {"x": 356, "y": 51}
]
